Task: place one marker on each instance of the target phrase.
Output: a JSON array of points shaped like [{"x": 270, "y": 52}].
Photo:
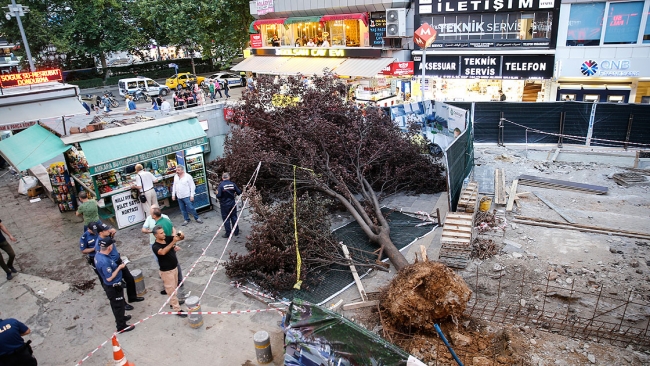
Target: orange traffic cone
[{"x": 118, "y": 355}]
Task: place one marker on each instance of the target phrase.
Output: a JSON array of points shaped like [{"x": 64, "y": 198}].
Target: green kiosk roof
[
  {"x": 31, "y": 147},
  {"x": 122, "y": 146}
]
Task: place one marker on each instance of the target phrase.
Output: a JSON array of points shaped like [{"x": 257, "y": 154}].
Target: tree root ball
[{"x": 423, "y": 293}]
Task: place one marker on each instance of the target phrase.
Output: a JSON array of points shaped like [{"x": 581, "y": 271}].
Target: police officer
[
  {"x": 104, "y": 231},
  {"x": 13, "y": 348},
  {"x": 87, "y": 247},
  {"x": 226, "y": 193},
  {"x": 111, "y": 274}
]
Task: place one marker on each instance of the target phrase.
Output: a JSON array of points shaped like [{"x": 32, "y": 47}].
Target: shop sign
[
  {"x": 425, "y": 35},
  {"x": 377, "y": 28},
  {"x": 482, "y": 6},
  {"x": 30, "y": 78},
  {"x": 604, "y": 67},
  {"x": 489, "y": 67},
  {"x": 16, "y": 126},
  {"x": 128, "y": 211},
  {"x": 256, "y": 40},
  {"x": 265, "y": 7},
  {"x": 479, "y": 66},
  {"x": 147, "y": 156},
  {"x": 398, "y": 69},
  {"x": 317, "y": 52}
]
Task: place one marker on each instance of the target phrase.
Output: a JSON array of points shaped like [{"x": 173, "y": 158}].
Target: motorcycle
[
  {"x": 97, "y": 101},
  {"x": 140, "y": 93}
]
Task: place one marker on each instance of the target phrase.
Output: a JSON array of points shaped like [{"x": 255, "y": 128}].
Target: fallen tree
[{"x": 309, "y": 136}]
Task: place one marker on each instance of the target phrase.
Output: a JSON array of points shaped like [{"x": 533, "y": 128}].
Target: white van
[{"x": 132, "y": 84}]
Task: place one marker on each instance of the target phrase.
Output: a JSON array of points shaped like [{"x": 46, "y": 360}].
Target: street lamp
[{"x": 17, "y": 10}]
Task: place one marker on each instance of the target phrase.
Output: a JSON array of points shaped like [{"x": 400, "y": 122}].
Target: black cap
[
  {"x": 106, "y": 242},
  {"x": 98, "y": 227}
]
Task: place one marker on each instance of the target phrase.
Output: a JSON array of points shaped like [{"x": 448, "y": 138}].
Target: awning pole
[
  {"x": 424, "y": 67},
  {"x": 64, "y": 130}
]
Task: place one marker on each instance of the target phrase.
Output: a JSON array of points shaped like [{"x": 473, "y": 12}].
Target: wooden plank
[
  {"x": 513, "y": 194},
  {"x": 497, "y": 185},
  {"x": 362, "y": 304},
  {"x": 557, "y": 152},
  {"x": 553, "y": 186},
  {"x": 357, "y": 280},
  {"x": 568, "y": 227},
  {"x": 564, "y": 183},
  {"x": 423, "y": 253},
  {"x": 554, "y": 208},
  {"x": 582, "y": 226}
]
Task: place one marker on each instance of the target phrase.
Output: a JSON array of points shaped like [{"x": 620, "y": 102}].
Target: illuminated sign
[
  {"x": 317, "y": 52},
  {"x": 482, "y": 6},
  {"x": 265, "y": 7},
  {"x": 489, "y": 67},
  {"x": 256, "y": 40},
  {"x": 398, "y": 69},
  {"x": 608, "y": 68},
  {"x": 30, "y": 78}
]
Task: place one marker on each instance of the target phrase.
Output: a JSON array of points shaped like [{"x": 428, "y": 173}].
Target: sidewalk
[{"x": 56, "y": 294}]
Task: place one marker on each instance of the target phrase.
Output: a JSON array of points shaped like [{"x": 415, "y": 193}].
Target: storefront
[
  {"x": 482, "y": 47},
  {"x": 103, "y": 163}
]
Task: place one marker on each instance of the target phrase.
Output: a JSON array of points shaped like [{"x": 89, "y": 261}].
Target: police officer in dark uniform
[
  {"x": 111, "y": 274},
  {"x": 13, "y": 348},
  {"x": 87, "y": 247},
  {"x": 226, "y": 193},
  {"x": 104, "y": 232}
]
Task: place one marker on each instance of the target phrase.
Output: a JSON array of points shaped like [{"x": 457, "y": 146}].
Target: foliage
[
  {"x": 351, "y": 154},
  {"x": 271, "y": 262}
]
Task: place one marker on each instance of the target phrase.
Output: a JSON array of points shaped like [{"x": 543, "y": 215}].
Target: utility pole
[{"x": 17, "y": 10}]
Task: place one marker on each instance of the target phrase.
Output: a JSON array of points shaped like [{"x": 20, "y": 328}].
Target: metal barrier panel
[
  {"x": 640, "y": 131},
  {"x": 610, "y": 123},
  {"x": 460, "y": 162}
]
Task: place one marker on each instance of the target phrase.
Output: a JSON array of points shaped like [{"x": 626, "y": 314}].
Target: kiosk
[{"x": 103, "y": 163}]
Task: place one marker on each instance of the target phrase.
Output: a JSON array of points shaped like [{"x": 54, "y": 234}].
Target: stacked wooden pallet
[
  {"x": 456, "y": 239},
  {"x": 529, "y": 180},
  {"x": 468, "y": 198}
]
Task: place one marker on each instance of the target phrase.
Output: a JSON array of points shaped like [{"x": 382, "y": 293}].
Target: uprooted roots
[{"x": 423, "y": 293}]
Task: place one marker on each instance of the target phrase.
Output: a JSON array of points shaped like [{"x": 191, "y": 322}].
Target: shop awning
[
  {"x": 308, "y": 65},
  {"x": 359, "y": 16},
  {"x": 363, "y": 67},
  {"x": 251, "y": 28},
  {"x": 38, "y": 105},
  {"x": 294, "y": 20},
  {"x": 31, "y": 147},
  {"x": 128, "y": 145},
  {"x": 259, "y": 22},
  {"x": 261, "y": 64}
]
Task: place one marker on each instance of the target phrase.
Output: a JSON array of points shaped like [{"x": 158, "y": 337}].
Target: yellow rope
[{"x": 295, "y": 232}]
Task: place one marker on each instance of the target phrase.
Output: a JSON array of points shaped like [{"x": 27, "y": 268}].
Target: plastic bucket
[{"x": 486, "y": 202}]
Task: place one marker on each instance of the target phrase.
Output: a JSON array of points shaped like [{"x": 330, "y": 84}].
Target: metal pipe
[
  {"x": 22, "y": 33},
  {"x": 442, "y": 336}
]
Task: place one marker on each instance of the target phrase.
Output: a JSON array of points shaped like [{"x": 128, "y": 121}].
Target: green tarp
[
  {"x": 31, "y": 147},
  {"x": 403, "y": 232}
]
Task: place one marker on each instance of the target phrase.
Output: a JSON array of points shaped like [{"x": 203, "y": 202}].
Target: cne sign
[{"x": 30, "y": 78}]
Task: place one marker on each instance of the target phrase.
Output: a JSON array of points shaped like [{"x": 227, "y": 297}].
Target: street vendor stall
[{"x": 103, "y": 163}]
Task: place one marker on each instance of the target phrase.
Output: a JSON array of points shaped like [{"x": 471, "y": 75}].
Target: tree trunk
[
  {"x": 102, "y": 58},
  {"x": 394, "y": 255}
]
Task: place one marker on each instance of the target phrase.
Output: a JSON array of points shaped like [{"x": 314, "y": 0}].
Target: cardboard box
[{"x": 34, "y": 191}]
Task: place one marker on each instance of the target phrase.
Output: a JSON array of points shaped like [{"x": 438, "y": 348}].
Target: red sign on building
[
  {"x": 30, "y": 78},
  {"x": 256, "y": 40},
  {"x": 399, "y": 69}
]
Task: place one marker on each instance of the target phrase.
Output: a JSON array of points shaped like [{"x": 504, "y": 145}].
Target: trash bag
[{"x": 26, "y": 183}]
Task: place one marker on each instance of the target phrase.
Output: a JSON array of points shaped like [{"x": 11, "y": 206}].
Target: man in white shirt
[
  {"x": 165, "y": 107},
  {"x": 144, "y": 182},
  {"x": 325, "y": 43},
  {"x": 183, "y": 189}
]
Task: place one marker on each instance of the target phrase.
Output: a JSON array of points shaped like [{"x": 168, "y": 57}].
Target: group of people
[
  {"x": 215, "y": 86},
  {"x": 312, "y": 42}
]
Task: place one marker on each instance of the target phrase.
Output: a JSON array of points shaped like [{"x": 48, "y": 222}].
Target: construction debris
[
  {"x": 423, "y": 293},
  {"x": 630, "y": 179},
  {"x": 483, "y": 248},
  {"x": 529, "y": 180}
]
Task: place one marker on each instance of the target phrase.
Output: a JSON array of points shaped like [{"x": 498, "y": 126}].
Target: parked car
[
  {"x": 130, "y": 85},
  {"x": 231, "y": 78},
  {"x": 183, "y": 79}
]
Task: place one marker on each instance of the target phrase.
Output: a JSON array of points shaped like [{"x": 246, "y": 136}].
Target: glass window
[
  {"x": 585, "y": 24},
  {"x": 151, "y": 83},
  {"x": 646, "y": 33},
  {"x": 623, "y": 22}
]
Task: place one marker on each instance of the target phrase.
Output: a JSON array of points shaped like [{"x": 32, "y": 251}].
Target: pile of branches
[
  {"x": 483, "y": 248},
  {"x": 271, "y": 261}
]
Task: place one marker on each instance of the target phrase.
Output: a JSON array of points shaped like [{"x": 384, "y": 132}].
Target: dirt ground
[{"x": 550, "y": 296}]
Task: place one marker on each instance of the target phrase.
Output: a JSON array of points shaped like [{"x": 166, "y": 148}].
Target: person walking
[
  {"x": 145, "y": 186},
  {"x": 226, "y": 193},
  {"x": 87, "y": 209},
  {"x": 217, "y": 88},
  {"x": 211, "y": 88},
  {"x": 103, "y": 232},
  {"x": 183, "y": 189},
  {"x": 226, "y": 89},
  {"x": 4, "y": 245},
  {"x": 13, "y": 348},
  {"x": 130, "y": 104},
  {"x": 111, "y": 274},
  {"x": 167, "y": 262}
]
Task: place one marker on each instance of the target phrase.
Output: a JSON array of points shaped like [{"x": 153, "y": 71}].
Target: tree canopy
[{"x": 352, "y": 154}]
